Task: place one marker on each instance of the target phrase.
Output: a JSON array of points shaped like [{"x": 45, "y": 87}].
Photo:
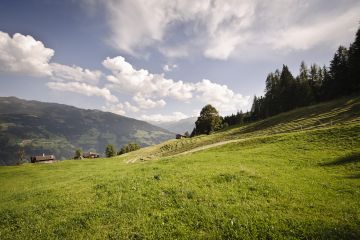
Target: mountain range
[
  {"x": 51, "y": 128},
  {"x": 180, "y": 126}
]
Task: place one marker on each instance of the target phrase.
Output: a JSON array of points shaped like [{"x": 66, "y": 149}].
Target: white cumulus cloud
[
  {"x": 114, "y": 108},
  {"x": 74, "y": 73},
  {"x": 150, "y": 89},
  {"x": 169, "y": 67},
  {"x": 131, "y": 108},
  {"x": 120, "y": 108},
  {"x": 22, "y": 54},
  {"x": 146, "y": 103},
  {"x": 147, "y": 85},
  {"x": 175, "y": 116},
  {"x": 83, "y": 88},
  {"x": 220, "y": 96}
]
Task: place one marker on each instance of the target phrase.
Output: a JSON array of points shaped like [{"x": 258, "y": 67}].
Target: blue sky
[{"x": 162, "y": 60}]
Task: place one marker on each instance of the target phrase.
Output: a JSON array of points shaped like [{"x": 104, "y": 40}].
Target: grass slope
[
  {"x": 287, "y": 185},
  {"x": 340, "y": 112}
]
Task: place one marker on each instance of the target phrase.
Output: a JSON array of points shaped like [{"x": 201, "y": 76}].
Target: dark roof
[
  {"x": 90, "y": 154},
  {"x": 44, "y": 158}
]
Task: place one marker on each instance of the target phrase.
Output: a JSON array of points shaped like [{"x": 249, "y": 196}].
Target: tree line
[
  {"x": 284, "y": 92},
  {"x": 110, "y": 150},
  {"x": 314, "y": 84},
  {"x": 210, "y": 121}
]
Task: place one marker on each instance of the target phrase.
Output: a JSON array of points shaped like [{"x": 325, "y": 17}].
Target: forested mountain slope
[{"x": 59, "y": 129}]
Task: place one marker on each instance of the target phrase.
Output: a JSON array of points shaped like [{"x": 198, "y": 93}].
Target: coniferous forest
[{"x": 314, "y": 84}]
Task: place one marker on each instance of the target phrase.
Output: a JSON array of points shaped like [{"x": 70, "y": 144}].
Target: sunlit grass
[{"x": 293, "y": 184}]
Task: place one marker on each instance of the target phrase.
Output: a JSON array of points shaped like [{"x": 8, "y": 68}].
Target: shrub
[
  {"x": 129, "y": 148},
  {"x": 110, "y": 151}
]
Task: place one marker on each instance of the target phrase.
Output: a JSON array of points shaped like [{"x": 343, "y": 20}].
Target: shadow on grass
[
  {"x": 354, "y": 176},
  {"x": 350, "y": 158}
]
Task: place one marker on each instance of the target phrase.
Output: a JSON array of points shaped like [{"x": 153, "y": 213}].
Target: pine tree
[
  {"x": 336, "y": 84},
  {"x": 354, "y": 65},
  {"x": 254, "y": 109},
  {"x": 287, "y": 90},
  {"x": 304, "y": 73},
  {"x": 272, "y": 93},
  {"x": 239, "y": 118},
  {"x": 303, "y": 91}
]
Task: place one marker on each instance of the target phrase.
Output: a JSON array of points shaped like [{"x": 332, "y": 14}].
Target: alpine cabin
[{"x": 44, "y": 158}]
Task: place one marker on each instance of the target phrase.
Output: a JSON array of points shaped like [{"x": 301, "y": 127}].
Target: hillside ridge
[{"x": 342, "y": 111}]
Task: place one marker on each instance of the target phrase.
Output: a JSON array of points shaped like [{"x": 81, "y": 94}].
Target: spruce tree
[
  {"x": 287, "y": 90},
  {"x": 354, "y": 65},
  {"x": 303, "y": 92},
  {"x": 272, "y": 93},
  {"x": 336, "y": 84}
]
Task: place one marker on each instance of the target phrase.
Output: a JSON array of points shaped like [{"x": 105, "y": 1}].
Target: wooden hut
[
  {"x": 91, "y": 155},
  {"x": 42, "y": 158},
  {"x": 179, "y": 136}
]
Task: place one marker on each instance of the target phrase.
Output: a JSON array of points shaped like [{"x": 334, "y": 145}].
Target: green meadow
[{"x": 292, "y": 176}]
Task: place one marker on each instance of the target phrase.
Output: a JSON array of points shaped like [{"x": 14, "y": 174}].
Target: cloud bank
[
  {"x": 175, "y": 116},
  {"x": 169, "y": 67},
  {"x": 83, "y": 88},
  {"x": 220, "y": 29},
  {"x": 142, "y": 83},
  {"x": 150, "y": 89},
  {"x": 62, "y": 72}
]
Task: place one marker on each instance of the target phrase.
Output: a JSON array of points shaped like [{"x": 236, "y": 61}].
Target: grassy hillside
[
  {"x": 60, "y": 129},
  {"x": 293, "y": 176},
  {"x": 340, "y": 112}
]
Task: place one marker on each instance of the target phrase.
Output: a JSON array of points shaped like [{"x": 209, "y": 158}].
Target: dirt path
[
  {"x": 209, "y": 146},
  {"x": 133, "y": 160},
  {"x": 197, "y": 149}
]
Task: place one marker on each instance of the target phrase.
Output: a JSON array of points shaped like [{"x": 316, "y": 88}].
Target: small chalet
[
  {"x": 179, "y": 136},
  {"x": 91, "y": 155},
  {"x": 44, "y": 158}
]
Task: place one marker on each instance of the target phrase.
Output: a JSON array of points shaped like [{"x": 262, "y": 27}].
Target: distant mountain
[
  {"x": 58, "y": 129},
  {"x": 180, "y": 126}
]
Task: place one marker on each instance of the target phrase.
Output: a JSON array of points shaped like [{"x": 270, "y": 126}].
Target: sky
[{"x": 159, "y": 60}]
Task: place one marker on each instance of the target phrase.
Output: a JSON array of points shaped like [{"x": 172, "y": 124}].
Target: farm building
[
  {"x": 91, "y": 155},
  {"x": 179, "y": 136},
  {"x": 43, "y": 158}
]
